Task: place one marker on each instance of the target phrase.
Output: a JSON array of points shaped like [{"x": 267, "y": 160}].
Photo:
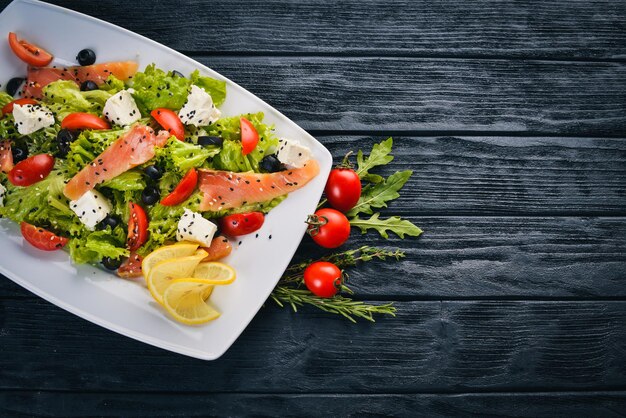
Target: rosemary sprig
[{"x": 290, "y": 289}]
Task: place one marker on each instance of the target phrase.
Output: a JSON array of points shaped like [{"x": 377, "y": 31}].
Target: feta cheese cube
[
  {"x": 292, "y": 154},
  {"x": 193, "y": 227},
  {"x": 91, "y": 208},
  {"x": 31, "y": 118},
  {"x": 121, "y": 109},
  {"x": 3, "y": 192},
  {"x": 199, "y": 110}
]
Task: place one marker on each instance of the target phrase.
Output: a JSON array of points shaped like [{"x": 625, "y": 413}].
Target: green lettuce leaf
[
  {"x": 230, "y": 157},
  {"x": 131, "y": 180},
  {"x": 94, "y": 246},
  {"x": 7, "y": 128},
  {"x": 64, "y": 97},
  {"x": 216, "y": 88},
  {"x": 155, "y": 88},
  {"x": 5, "y": 98},
  {"x": 177, "y": 156},
  {"x": 395, "y": 224},
  {"x": 112, "y": 85}
]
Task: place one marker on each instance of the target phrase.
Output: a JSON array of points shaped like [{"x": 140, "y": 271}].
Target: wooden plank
[
  {"x": 504, "y": 257},
  {"x": 604, "y": 404},
  {"x": 430, "y": 347},
  {"x": 578, "y": 29},
  {"x": 426, "y": 95}
]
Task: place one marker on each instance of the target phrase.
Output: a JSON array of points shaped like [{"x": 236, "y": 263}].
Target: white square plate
[{"x": 124, "y": 306}]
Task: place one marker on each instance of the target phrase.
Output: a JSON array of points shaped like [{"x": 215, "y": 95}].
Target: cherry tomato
[
  {"x": 323, "y": 279},
  {"x": 131, "y": 267},
  {"x": 343, "y": 189},
  {"x": 8, "y": 108},
  {"x": 220, "y": 248},
  {"x": 29, "y": 53},
  {"x": 329, "y": 228},
  {"x": 249, "y": 136},
  {"x": 41, "y": 238},
  {"x": 241, "y": 223},
  {"x": 79, "y": 120},
  {"x": 137, "y": 227},
  {"x": 31, "y": 170},
  {"x": 183, "y": 190},
  {"x": 170, "y": 121}
]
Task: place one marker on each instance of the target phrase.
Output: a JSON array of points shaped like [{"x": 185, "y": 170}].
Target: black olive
[
  {"x": 19, "y": 151},
  {"x": 88, "y": 86},
  {"x": 64, "y": 138},
  {"x": 150, "y": 195},
  {"x": 111, "y": 263},
  {"x": 14, "y": 85},
  {"x": 271, "y": 164},
  {"x": 110, "y": 220},
  {"x": 177, "y": 74},
  {"x": 210, "y": 140},
  {"x": 86, "y": 57},
  {"x": 153, "y": 172}
]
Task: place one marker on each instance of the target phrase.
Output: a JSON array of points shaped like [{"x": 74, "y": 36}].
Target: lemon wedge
[
  {"x": 214, "y": 272},
  {"x": 162, "y": 273},
  {"x": 186, "y": 301},
  {"x": 181, "y": 249}
]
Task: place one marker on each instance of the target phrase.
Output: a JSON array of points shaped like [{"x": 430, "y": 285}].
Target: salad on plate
[{"x": 139, "y": 171}]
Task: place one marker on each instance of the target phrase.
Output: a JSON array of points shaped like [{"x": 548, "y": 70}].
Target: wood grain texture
[
  {"x": 562, "y": 29},
  {"x": 532, "y": 405},
  {"x": 407, "y": 94},
  {"x": 430, "y": 347},
  {"x": 512, "y": 257}
]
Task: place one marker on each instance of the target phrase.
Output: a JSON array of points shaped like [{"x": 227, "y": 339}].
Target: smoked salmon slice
[
  {"x": 6, "y": 156},
  {"x": 38, "y": 78},
  {"x": 132, "y": 149},
  {"x": 227, "y": 190}
]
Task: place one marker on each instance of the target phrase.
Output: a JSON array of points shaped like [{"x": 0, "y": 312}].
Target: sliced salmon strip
[
  {"x": 220, "y": 248},
  {"x": 227, "y": 190},
  {"x": 132, "y": 149},
  {"x": 38, "y": 78},
  {"x": 6, "y": 156}
]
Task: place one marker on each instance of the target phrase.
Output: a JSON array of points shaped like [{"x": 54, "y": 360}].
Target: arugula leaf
[
  {"x": 378, "y": 156},
  {"x": 377, "y": 195},
  {"x": 395, "y": 224}
]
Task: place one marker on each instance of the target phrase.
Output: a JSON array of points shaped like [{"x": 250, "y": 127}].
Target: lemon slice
[
  {"x": 185, "y": 300},
  {"x": 214, "y": 273},
  {"x": 181, "y": 249},
  {"x": 162, "y": 273}
]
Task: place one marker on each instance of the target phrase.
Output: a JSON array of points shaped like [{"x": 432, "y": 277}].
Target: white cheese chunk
[
  {"x": 193, "y": 227},
  {"x": 121, "y": 109},
  {"x": 292, "y": 154},
  {"x": 3, "y": 192},
  {"x": 199, "y": 110},
  {"x": 31, "y": 118},
  {"x": 91, "y": 208}
]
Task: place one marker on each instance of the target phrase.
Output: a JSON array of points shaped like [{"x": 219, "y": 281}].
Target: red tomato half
[
  {"x": 170, "y": 121},
  {"x": 137, "y": 227},
  {"x": 249, "y": 136},
  {"x": 241, "y": 223},
  {"x": 29, "y": 53},
  {"x": 41, "y": 238},
  {"x": 323, "y": 279},
  {"x": 79, "y": 120},
  {"x": 31, "y": 170},
  {"x": 8, "y": 108},
  {"x": 329, "y": 228},
  {"x": 183, "y": 190},
  {"x": 343, "y": 189}
]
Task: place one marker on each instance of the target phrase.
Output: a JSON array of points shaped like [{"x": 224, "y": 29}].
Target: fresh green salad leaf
[
  {"x": 216, "y": 88},
  {"x": 395, "y": 224},
  {"x": 5, "y": 98},
  {"x": 377, "y": 195},
  {"x": 177, "y": 156},
  {"x": 97, "y": 245},
  {"x": 64, "y": 97},
  {"x": 131, "y": 180},
  {"x": 112, "y": 85},
  {"x": 231, "y": 157},
  {"x": 378, "y": 156},
  {"x": 7, "y": 128}
]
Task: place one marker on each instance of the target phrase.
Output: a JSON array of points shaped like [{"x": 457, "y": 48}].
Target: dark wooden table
[{"x": 513, "y": 302}]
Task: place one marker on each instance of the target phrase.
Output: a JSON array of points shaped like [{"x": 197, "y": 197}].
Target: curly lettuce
[{"x": 64, "y": 97}]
